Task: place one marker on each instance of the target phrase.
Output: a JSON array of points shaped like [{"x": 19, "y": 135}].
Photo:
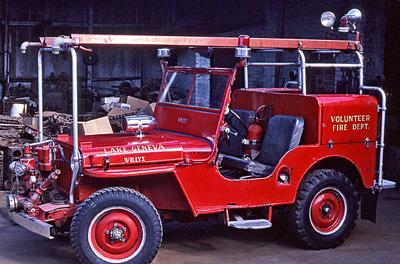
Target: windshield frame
[{"x": 228, "y": 72}]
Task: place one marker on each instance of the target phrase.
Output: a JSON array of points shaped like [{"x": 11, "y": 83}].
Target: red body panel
[
  {"x": 209, "y": 192},
  {"x": 188, "y": 120},
  {"x": 128, "y": 149},
  {"x": 350, "y": 118}
]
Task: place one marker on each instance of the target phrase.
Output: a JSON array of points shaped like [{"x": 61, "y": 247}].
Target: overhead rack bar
[
  {"x": 216, "y": 42},
  {"x": 78, "y": 40}
]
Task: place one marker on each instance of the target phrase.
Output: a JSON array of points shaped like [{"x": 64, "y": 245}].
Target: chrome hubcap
[{"x": 117, "y": 234}]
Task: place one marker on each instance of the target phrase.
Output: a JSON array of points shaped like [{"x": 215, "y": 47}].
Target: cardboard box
[
  {"x": 137, "y": 105},
  {"x": 98, "y": 126},
  {"x": 120, "y": 111}
]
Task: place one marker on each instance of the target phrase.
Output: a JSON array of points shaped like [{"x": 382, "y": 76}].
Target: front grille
[{"x": 64, "y": 181}]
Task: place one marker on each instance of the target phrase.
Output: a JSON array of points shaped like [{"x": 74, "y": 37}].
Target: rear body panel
[{"x": 349, "y": 119}]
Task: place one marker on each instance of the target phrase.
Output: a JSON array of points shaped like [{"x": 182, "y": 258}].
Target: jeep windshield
[{"x": 204, "y": 88}]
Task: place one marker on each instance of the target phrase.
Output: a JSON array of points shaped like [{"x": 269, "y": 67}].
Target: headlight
[
  {"x": 328, "y": 19},
  {"x": 18, "y": 168}
]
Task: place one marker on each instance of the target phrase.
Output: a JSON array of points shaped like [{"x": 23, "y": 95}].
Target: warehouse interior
[
  {"x": 28, "y": 21},
  {"x": 136, "y": 73}
]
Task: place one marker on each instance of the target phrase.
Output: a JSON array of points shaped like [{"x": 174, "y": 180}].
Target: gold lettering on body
[
  {"x": 341, "y": 122},
  {"x": 133, "y": 149},
  {"x": 132, "y": 160}
]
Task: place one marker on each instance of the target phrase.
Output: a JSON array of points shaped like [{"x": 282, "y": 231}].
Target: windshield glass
[{"x": 194, "y": 89}]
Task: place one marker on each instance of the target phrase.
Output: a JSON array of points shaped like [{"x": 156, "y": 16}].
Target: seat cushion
[
  {"x": 246, "y": 165},
  {"x": 283, "y": 134}
]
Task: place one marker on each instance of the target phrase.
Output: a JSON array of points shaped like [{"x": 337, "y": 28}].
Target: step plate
[{"x": 250, "y": 224}]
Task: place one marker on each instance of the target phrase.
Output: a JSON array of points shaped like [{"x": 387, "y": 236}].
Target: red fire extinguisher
[
  {"x": 255, "y": 132},
  {"x": 253, "y": 140}
]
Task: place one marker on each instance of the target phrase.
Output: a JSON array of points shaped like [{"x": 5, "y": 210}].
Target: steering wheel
[
  {"x": 263, "y": 113},
  {"x": 233, "y": 115}
]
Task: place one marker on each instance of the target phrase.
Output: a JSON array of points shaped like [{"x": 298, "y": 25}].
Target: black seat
[
  {"x": 283, "y": 134},
  {"x": 234, "y": 147}
]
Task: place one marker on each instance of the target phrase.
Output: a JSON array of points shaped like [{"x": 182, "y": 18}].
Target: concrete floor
[{"x": 211, "y": 243}]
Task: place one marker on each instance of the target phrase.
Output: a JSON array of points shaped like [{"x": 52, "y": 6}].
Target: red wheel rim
[
  {"x": 116, "y": 234},
  {"x": 328, "y": 210}
]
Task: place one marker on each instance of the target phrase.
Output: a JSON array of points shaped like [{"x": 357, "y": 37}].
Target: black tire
[
  {"x": 325, "y": 210},
  {"x": 116, "y": 217}
]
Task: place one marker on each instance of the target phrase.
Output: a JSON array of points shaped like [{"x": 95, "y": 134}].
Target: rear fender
[
  {"x": 307, "y": 158},
  {"x": 369, "y": 199}
]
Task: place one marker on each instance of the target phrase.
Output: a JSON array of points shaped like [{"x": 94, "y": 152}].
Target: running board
[
  {"x": 386, "y": 184},
  {"x": 241, "y": 223}
]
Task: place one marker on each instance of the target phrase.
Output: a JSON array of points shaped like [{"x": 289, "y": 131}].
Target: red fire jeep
[{"x": 239, "y": 155}]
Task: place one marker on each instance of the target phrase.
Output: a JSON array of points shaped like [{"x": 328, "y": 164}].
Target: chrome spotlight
[
  {"x": 328, "y": 19},
  {"x": 354, "y": 16}
]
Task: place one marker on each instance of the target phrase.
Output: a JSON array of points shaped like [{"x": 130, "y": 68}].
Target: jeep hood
[{"x": 127, "y": 149}]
